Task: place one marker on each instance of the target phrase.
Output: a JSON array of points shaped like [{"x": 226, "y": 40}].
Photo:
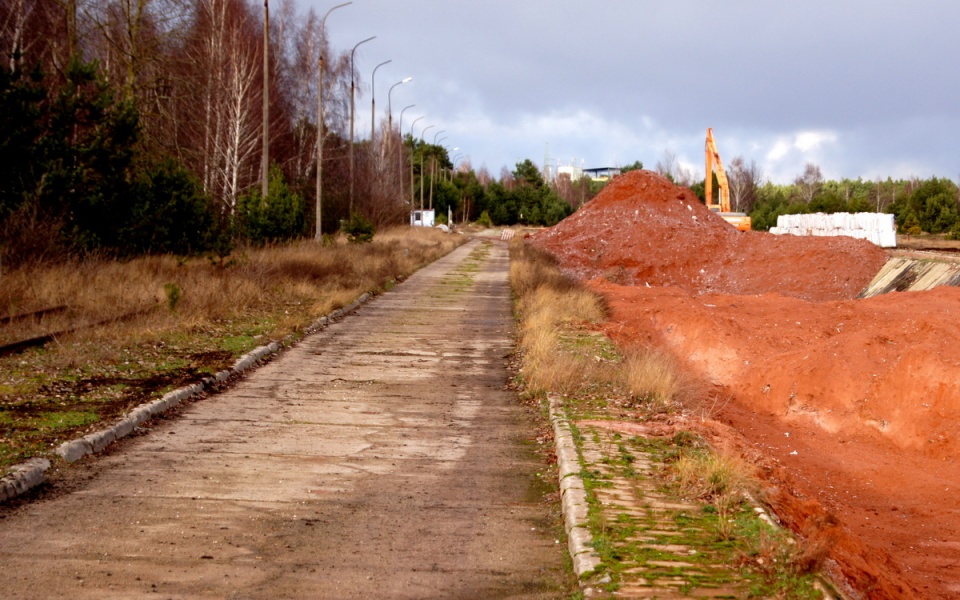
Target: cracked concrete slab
[{"x": 380, "y": 458}]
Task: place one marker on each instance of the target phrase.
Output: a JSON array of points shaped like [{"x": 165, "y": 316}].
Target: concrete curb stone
[
  {"x": 573, "y": 496},
  {"x": 24, "y": 476},
  {"x": 31, "y": 473}
]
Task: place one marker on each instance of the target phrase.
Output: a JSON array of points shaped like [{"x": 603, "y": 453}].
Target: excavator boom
[{"x": 715, "y": 165}]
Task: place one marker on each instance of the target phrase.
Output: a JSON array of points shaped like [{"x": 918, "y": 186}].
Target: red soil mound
[
  {"x": 853, "y": 404},
  {"x": 644, "y": 230}
]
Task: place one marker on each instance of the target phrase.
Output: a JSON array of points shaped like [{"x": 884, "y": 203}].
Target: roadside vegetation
[
  {"x": 561, "y": 352},
  {"x": 183, "y": 319}
]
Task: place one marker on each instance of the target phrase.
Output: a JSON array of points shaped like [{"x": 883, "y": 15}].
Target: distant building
[
  {"x": 422, "y": 218},
  {"x": 574, "y": 173},
  {"x": 602, "y": 173},
  {"x": 596, "y": 174}
]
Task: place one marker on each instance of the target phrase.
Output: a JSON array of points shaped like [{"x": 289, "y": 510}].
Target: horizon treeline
[{"x": 918, "y": 205}]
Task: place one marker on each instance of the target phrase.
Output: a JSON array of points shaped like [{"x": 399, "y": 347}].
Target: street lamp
[
  {"x": 413, "y": 200},
  {"x": 433, "y": 164},
  {"x": 323, "y": 29},
  {"x": 390, "y": 103},
  {"x": 352, "y": 87},
  {"x": 453, "y": 161},
  {"x": 400, "y": 153},
  {"x": 373, "y": 101},
  {"x": 400, "y": 124},
  {"x": 422, "y": 133}
]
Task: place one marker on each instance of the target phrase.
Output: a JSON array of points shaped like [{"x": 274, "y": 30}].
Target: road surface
[{"x": 380, "y": 458}]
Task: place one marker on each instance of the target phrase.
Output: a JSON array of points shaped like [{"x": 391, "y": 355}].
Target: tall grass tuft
[
  {"x": 653, "y": 378},
  {"x": 722, "y": 478}
]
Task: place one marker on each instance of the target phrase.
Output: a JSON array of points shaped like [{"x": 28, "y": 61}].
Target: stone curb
[
  {"x": 573, "y": 496},
  {"x": 31, "y": 473},
  {"x": 28, "y": 474}
]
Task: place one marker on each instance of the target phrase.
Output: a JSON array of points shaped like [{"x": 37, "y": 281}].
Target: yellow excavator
[{"x": 738, "y": 219}]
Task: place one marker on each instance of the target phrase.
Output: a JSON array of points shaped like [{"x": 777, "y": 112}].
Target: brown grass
[
  {"x": 560, "y": 354},
  {"x": 549, "y": 304},
  {"x": 223, "y": 311},
  {"x": 711, "y": 475},
  {"x": 305, "y": 278},
  {"x": 653, "y": 377}
]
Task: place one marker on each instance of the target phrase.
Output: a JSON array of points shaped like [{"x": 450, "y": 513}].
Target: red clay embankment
[{"x": 851, "y": 407}]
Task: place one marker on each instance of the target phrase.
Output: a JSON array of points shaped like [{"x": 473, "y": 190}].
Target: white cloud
[
  {"x": 779, "y": 149},
  {"x": 810, "y": 141}
]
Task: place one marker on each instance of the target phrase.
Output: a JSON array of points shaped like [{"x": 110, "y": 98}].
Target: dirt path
[{"x": 381, "y": 458}]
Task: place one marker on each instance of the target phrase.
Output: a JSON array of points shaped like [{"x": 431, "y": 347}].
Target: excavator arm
[
  {"x": 715, "y": 165},
  {"x": 739, "y": 220}
]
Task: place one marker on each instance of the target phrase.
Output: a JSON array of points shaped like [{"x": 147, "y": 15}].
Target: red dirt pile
[
  {"x": 644, "y": 230},
  {"x": 853, "y": 406}
]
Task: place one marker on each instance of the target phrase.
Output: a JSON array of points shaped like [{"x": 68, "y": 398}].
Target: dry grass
[
  {"x": 560, "y": 355},
  {"x": 197, "y": 317},
  {"x": 722, "y": 478},
  {"x": 711, "y": 475},
  {"x": 654, "y": 378},
  {"x": 549, "y": 305},
  {"x": 305, "y": 278}
]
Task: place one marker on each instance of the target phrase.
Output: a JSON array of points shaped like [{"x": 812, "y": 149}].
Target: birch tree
[{"x": 222, "y": 140}]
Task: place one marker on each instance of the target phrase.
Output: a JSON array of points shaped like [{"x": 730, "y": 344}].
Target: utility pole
[
  {"x": 265, "y": 170},
  {"x": 413, "y": 146},
  {"x": 352, "y": 110},
  {"x": 320, "y": 133},
  {"x": 421, "y": 165}
]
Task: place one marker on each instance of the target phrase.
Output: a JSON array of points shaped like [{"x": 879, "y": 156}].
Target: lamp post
[
  {"x": 453, "y": 161},
  {"x": 373, "y": 99},
  {"x": 323, "y": 25},
  {"x": 400, "y": 153},
  {"x": 433, "y": 164},
  {"x": 422, "y": 133},
  {"x": 352, "y": 88},
  {"x": 390, "y": 103},
  {"x": 265, "y": 167},
  {"x": 413, "y": 200}
]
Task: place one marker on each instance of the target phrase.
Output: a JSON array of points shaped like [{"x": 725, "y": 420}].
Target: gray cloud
[{"x": 613, "y": 82}]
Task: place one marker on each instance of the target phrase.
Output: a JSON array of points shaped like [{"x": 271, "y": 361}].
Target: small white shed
[{"x": 422, "y": 218}]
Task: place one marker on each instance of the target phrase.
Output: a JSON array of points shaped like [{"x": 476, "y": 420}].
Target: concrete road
[{"x": 380, "y": 458}]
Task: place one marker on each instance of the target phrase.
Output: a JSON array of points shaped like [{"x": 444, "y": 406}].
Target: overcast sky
[{"x": 861, "y": 88}]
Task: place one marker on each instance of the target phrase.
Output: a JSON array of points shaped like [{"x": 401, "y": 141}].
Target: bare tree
[
  {"x": 221, "y": 112},
  {"x": 14, "y": 15},
  {"x": 667, "y": 165},
  {"x": 744, "y": 181},
  {"x": 683, "y": 176},
  {"x": 299, "y": 48},
  {"x": 506, "y": 178},
  {"x": 41, "y": 33},
  {"x": 810, "y": 182},
  {"x": 484, "y": 177}
]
